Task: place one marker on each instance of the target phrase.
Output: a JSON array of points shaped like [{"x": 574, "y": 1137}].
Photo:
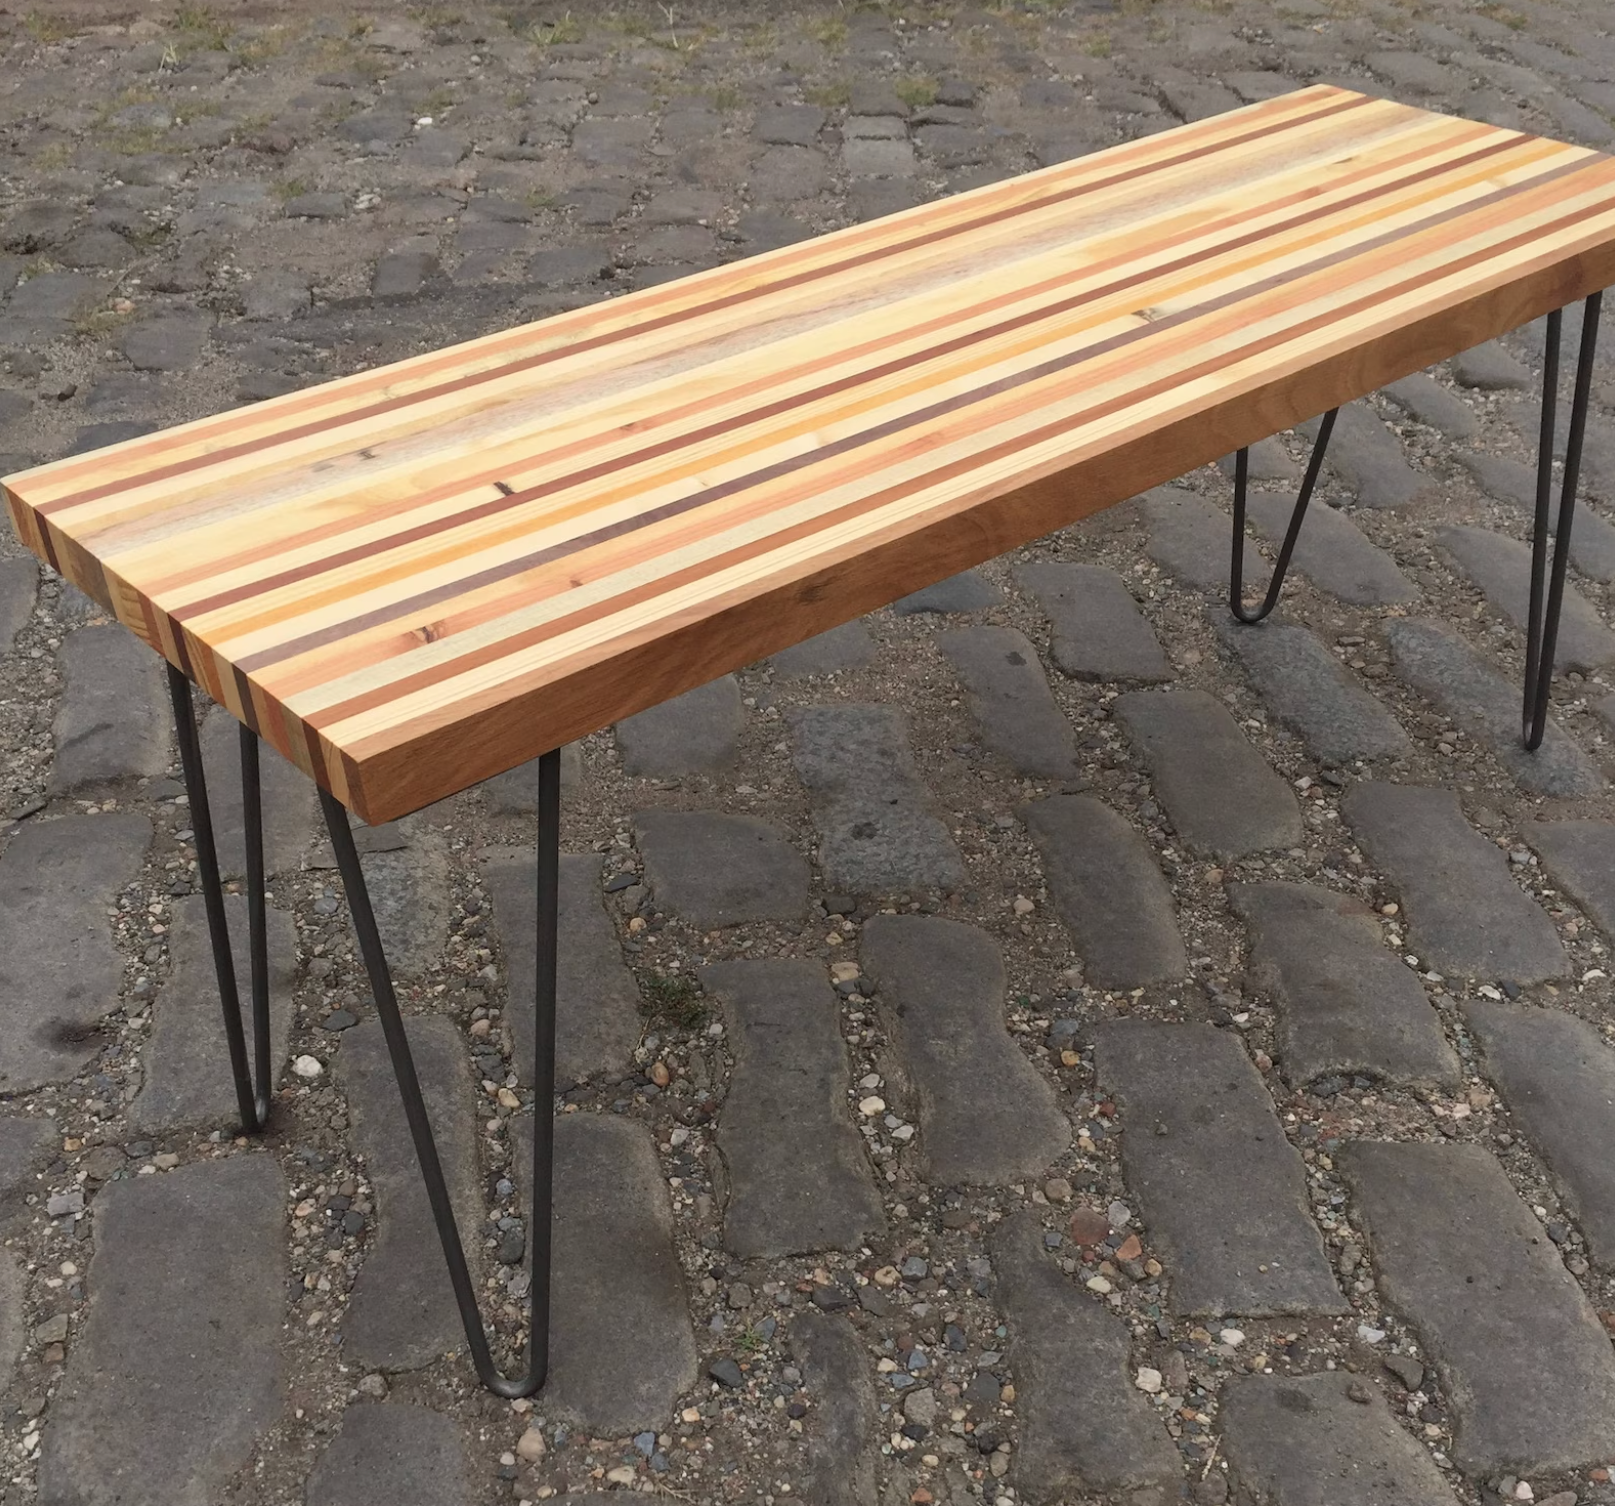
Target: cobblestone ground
[{"x": 1036, "y": 1044}]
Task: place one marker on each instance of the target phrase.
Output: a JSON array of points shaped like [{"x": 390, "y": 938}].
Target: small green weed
[
  {"x": 674, "y": 1000},
  {"x": 917, "y": 90}
]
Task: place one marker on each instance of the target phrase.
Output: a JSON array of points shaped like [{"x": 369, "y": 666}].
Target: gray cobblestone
[
  {"x": 113, "y": 721},
  {"x": 986, "y": 1117},
  {"x": 157, "y": 1408},
  {"x": 1350, "y": 1006},
  {"x": 1222, "y": 797},
  {"x": 1555, "y": 1073},
  {"x": 1010, "y": 699},
  {"x": 1368, "y": 457},
  {"x": 846, "y": 647},
  {"x": 1528, "y": 1370},
  {"x": 1310, "y": 691},
  {"x": 695, "y": 733},
  {"x": 392, "y": 1454},
  {"x": 799, "y": 1180},
  {"x": 1193, "y": 539},
  {"x": 1108, "y": 891},
  {"x": 1086, "y": 1428},
  {"x": 875, "y": 833},
  {"x": 1466, "y": 915},
  {"x": 597, "y": 1019},
  {"x": 1437, "y": 662},
  {"x": 1332, "y": 552},
  {"x": 714, "y": 870},
  {"x": 842, "y": 1440},
  {"x": 1425, "y": 399},
  {"x": 969, "y": 591},
  {"x": 59, "y": 970},
  {"x": 19, "y": 583},
  {"x": 1224, "y": 1194},
  {"x": 1097, "y": 630}
]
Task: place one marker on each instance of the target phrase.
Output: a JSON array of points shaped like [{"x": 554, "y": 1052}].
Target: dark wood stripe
[
  {"x": 864, "y": 376},
  {"x": 507, "y": 569},
  {"x": 643, "y": 327},
  {"x": 249, "y": 712}
]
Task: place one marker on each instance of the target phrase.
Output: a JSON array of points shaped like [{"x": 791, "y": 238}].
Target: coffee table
[{"x": 417, "y": 577}]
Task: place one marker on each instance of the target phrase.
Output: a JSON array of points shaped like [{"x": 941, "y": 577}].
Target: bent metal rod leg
[
  {"x": 254, "y": 1105},
  {"x": 1236, "y": 571},
  {"x": 1542, "y": 620},
  {"x": 409, "y": 1087}
]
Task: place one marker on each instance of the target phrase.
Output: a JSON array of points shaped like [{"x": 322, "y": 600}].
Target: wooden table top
[{"x": 414, "y": 578}]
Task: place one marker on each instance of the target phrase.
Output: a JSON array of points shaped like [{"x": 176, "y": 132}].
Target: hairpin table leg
[
  {"x": 254, "y": 1105},
  {"x": 1542, "y": 621},
  {"x": 1236, "y": 572},
  {"x": 420, "y": 1128}
]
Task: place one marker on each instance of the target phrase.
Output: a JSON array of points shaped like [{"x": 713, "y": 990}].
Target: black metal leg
[
  {"x": 1542, "y": 622},
  {"x": 1236, "y": 572},
  {"x": 409, "y": 1087},
  {"x": 254, "y": 1106}
]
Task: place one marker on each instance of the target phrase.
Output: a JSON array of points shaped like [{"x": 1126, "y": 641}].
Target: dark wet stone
[
  {"x": 392, "y": 1454},
  {"x": 986, "y": 1116},
  {"x": 1490, "y": 368},
  {"x": 1222, "y": 797},
  {"x": 697, "y": 732},
  {"x": 566, "y": 266},
  {"x": 171, "y": 343},
  {"x": 1349, "y": 1006},
  {"x": 1085, "y": 1428},
  {"x": 1097, "y": 630},
  {"x": 597, "y": 1018},
  {"x": 1521, "y": 1357},
  {"x": 1010, "y": 699},
  {"x": 1434, "y": 660},
  {"x": 157, "y": 1407},
  {"x": 1466, "y": 915},
  {"x": 96, "y": 436},
  {"x": 1223, "y": 1193},
  {"x": 789, "y": 125},
  {"x": 113, "y": 720},
  {"x": 799, "y": 1179},
  {"x": 1311, "y": 692},
  {"x": 1110, "y": 894},
  {"x": 404, "y": 274},
  {"x": 187, "y": 1063},
  {"x": 60, "y": 972},
  {"x": 715, "y": 870}
]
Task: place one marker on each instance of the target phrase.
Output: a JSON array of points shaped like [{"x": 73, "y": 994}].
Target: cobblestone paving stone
[
  {"x": 985, "y": 1115},
  {"x": 1324, "y": 1440},
  {"x": 1311, "y": 692},
  {"x": 716, "y": 870},
  {"x": 1333, "y": 553},
  {"x": 1351, "y": 1008},
  {"x": 186, "y": 1063},
  {"x": 1109, "y": 892},
  {"x": 1435, "y": 660},
  {"x": 114, "y": 717},
  {"x": 1097, "y": 631},
  {"x": 209, "y": 204},
  {"x": 1556, "y": 1074},
  {"x": 1223, "y": 1192},
  {"x": 786, "y": 1116},
  {"x": 1467, "y": 915},
  {"x": 290, "y": 805},
  {"x": 165, "y": 1401},
  {"x": 1527, "y": 1366},
  {"x": 1010, "y": 698},
  {"x": 1224, "y": 799}
]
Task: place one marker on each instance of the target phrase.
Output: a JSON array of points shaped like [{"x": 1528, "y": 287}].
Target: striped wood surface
[{"x": 416, "y": 577}]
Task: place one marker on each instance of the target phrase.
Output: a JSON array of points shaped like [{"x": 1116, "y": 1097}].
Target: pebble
[{"x": 308, "y": 1067}]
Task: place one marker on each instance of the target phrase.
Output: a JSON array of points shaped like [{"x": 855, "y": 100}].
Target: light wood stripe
[{"x": 419, "y": 576}]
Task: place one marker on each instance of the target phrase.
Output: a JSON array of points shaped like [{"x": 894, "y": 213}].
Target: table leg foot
[
  {"x": 420, "y": 1128},
  {"x": 253, "y": 1103},
  {"x": 1236, "y": 570},
  {"x": 1548, "y": 587}
]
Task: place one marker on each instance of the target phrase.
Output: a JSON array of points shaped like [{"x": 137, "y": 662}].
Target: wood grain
[{"x": 419, "y": 576}]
